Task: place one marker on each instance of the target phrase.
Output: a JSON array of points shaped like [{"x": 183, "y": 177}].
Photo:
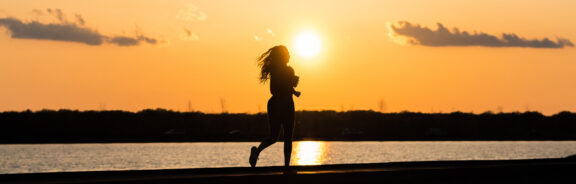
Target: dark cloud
[
  {"x": 80, "y": 19},
  {"x": 38, "y": 12},
  {"x": 57, "y": 13},
  {"x": 131, "y": 41},
  {"x": 67, "y": 31},
  {"x": 58, "y": 32},
  {"x": 417, "y": 34}
]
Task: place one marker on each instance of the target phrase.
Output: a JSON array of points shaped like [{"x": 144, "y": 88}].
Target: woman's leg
[
  {"x": 274, "y": 125},
  {"x": 272, "y": 137},
  {"x": 288, "y": 124}
]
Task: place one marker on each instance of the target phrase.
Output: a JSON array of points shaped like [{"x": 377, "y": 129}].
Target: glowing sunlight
[
  {"x": 309, "y": 152},
  {"x": 307, "y": 44}
]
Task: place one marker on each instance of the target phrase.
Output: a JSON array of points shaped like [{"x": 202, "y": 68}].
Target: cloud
[
  {"x": 192, "y": 13},
  {"x": 56, "y": 13},
  {"x": 57, "y": 32},
  {"x": 38, "y": 12},
  {"x": 80, "y": 19},
  {"x": 64, "y": 30},
  {"x": 419, "y": 35},
  {"x": 131, "y": 41},
  {"x": 270, "y": 32},
  {"x": 189, "y": 35},
  {"x": 188, "y": 32},
  {"x": 262, "y": 36}
]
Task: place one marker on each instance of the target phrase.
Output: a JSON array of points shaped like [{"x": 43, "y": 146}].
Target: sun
[{"x": 307, "y": 44}]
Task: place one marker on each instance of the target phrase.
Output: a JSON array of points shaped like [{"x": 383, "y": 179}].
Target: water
[{"x": 33, "y": 158}]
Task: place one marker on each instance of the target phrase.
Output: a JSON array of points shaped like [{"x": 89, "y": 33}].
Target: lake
[{"x": 33, "y": 158}]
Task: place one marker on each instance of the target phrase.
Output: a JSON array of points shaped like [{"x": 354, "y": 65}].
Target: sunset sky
[{"x": 133, "y": 54}]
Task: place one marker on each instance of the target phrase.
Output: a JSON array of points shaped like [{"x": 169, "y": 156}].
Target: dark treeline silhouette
[{"x": 159, "y": 125}]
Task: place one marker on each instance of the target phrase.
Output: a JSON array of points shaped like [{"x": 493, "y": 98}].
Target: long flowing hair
[{"x": 270, "y": 60}]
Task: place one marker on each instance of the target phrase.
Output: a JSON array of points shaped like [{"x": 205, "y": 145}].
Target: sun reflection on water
[{"x": 309, "y": 152}]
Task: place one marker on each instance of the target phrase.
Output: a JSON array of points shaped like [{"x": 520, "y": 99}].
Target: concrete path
[{"x": 498, "y": 171}]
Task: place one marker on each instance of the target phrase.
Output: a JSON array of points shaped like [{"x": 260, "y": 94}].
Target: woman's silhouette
[{"x": 274, "y": 67}]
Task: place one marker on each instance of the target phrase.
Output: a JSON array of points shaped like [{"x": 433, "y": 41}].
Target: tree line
[{"x": 160, "y": 125}]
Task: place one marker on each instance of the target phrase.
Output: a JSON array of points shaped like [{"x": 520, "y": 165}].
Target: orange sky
[{"x": 358, "y": 66}]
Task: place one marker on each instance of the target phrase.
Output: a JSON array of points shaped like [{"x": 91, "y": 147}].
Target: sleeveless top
[{"x": 283, "y": 81}]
